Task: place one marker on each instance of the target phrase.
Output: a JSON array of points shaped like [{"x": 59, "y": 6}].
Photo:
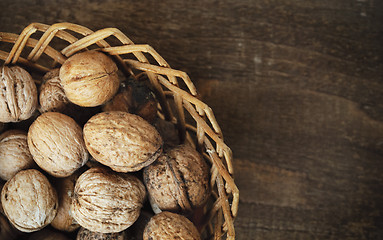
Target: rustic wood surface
[{"x": 295, "y": 85}]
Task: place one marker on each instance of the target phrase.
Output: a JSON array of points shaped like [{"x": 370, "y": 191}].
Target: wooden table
[{"x": 295, "y": 85}]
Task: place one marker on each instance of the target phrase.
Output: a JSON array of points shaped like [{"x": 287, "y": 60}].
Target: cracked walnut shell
[
  {"x": 122, "y": 141},
  {"x": 18, "y": 94},
  {"x": 89, "y": 78},
  {"x": 178, "y": 180},
  {"x": 14, "y": 153},
  {"x": 106, "y": 201},
  {"x": 56, "y": 144},
  {"x": 29, "y": 200},
  {"x": 167, "y": 225}
]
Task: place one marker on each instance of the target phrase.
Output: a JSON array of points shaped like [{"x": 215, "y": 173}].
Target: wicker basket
[{"x": 195, "y": 120}]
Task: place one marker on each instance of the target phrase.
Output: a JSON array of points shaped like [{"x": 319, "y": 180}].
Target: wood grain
[{"x": 295, "y": 85}]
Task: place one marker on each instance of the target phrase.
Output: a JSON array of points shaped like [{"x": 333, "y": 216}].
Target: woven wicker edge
[{"x": 207, "y": 130}]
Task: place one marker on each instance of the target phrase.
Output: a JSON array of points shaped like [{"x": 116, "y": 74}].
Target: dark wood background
[{"x": 295, "y": 85}]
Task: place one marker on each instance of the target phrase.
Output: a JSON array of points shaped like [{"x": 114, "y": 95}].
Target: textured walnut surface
[
  {"x": 29, "y": 200},
  {"x": 52, "y": 96},
  {"x": 18, "y": 94},
  {"x": 124, "y": 142},
  {"x": 106, "y": 201},
  {"x": 14, "y": 153},
  {"x": 178, "y": 180},
  {"x": 85, "y": 234},
  {"x": 56, "y": 143},
  {"x": 167, "y": 225},
  {"x": 89, "y": 78}
]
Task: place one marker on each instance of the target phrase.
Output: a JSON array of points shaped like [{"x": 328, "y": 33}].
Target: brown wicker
[{"x": 204, "y": 132}]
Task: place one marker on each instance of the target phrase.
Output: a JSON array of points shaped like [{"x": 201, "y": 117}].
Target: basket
[{"x": 195, "y": 120}]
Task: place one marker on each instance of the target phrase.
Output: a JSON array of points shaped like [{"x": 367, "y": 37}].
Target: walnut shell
[
  {"x": 125, "y": 142},
  {"x": 122, "y": 101},
  {"x": 148, "y": 110},
  {"x": 168, "y": 132},
  {"x": 14, "y": 153},
  {"x": 89, "y": 78},
  {"x": 52, "y": 97},
  {"x": 64, "y": 220},
  {"x": 178, "y": 180},
  {"x": 29, "y": 200},
  {"x": 85, "y": 234},
  {"x": 47, "y": 234},
  {"x": 134, "y": 97},
  {"x": 18, "y": 97},
  {"x": 106, "y": 201},
  {"x": 56, "y": 143},
  {"x": 167, "y": 225}
]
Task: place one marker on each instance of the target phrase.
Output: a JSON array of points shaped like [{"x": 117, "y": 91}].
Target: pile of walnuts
[{"x": 83, "y": 155}]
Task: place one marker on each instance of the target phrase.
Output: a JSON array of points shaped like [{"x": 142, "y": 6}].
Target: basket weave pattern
[{"x": 132, "y": 58}]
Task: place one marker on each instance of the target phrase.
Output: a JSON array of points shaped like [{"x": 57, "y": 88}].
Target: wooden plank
[
  {"x": 296, "y": 87},
  {"x": 282, "y": 204},
  {"x": 313, "y": 159}
]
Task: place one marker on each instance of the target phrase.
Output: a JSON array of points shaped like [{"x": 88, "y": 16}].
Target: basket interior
[{"x": 41, "y": 47}]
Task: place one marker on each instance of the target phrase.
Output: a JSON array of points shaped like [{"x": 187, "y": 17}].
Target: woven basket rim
[{"x": 164, "y": 80}]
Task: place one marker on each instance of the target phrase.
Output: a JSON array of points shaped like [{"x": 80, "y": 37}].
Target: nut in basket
[{"x": 89, "y": 84}]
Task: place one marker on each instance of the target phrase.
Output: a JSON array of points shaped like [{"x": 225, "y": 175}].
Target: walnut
[
  {"x": 106, "y": 201},
  {"x": 144, "y": 99},
  {"x": 125, "y": 142},
  {"x": 56, "y": 143},
  {"x": 148, "y": 110},
  {"x": 167, "y": 225},
  {"x": 47, "y": 234},
  {"x": 89, "y": 78},
  {"x": 134, "y": 97},
  {"x": 52, "y": 96},
  {"x": 14, "y": 153},
  {"x": 18, "y": 97},
  {"x": 29, "y": 200},
  {"x": 122, "y": 101},
  {"x": 168, "y": 132},
  {"x": 64, "y": 220},
  {"x": 85, "y": 234},
  {"x": 178, "y": 180}
]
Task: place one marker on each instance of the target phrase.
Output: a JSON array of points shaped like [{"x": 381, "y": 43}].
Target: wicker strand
[
  {"x": 20, "y": 43},
  {"x": 226, "y": 208},
  {"x": 164, "y": 81},
  {"x": 12, "y": 38},
  {"x": 50, "y": 33},
  {"x": 218, "y": 227}
]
